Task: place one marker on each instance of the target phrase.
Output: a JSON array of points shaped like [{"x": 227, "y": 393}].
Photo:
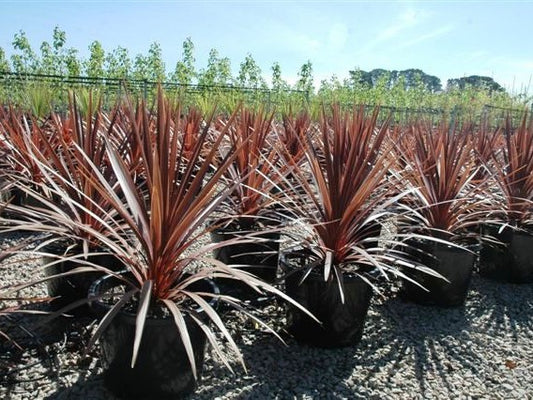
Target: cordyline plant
[
  {"x": 513, "y": 170},
  {"x": 348, "y": 195},
  {"x": 156, "y": 230},
  {"x": 486, "y": 143},
  {"x": 68, "y": 149},
  {"x": 16, "y": 131},
  {"x": 440, "y": 168},
  {"x": 294, "y": 133},
  {"x": 255, "y": 169}
]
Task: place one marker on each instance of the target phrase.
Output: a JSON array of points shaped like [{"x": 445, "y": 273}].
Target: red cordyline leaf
[
  {"x": 291, "y": 137},
  {"x": 486, "y": 143}
]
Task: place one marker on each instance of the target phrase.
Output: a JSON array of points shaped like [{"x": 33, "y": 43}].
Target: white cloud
[{"x": 404, "y": 22}]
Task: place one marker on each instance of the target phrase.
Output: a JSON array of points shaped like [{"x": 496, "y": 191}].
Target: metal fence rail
[{"x": 138, "y": 84}]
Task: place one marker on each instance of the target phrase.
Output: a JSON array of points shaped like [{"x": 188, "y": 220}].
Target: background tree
[
  {"x": 359, "y": 79},
  {"x": 94, "y": 66},
  {"x": 223, "y": 75},
  {"x": 73, "y": 65},
  {"x": 217, "y": 71},
  {"x": 207, "y": 75},
  {"x": 58, "y": 48},
  {"x": 278, "y": 84},
  {"x": 48, "y": 63},
  {"x": 24, "y": 60},
  {"x": 118, "y": 63},
  {"x": 474, "y": 81},
  {"x": 305, "y": 78},
  {"x": 184, "y": 72},
  {"x": 155, "y": 63},
  {"x": 250, "y": 74},
  {"x": 4, "y": 63},
  {"x": 140, "y": 68}
]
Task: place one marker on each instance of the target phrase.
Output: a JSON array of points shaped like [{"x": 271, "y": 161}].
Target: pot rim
[{"x": 283, "y": 255}]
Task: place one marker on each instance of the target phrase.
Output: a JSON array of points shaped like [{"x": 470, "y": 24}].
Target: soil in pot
[
  {"x": 507, "y": 261},
  {"x": 261, "y": 259},
  {"x": 342, "y": 323},
  {"x": 162, "y": 369},
  {"x": 454, "y": 263},
  {"x": 71, "y": 288}
]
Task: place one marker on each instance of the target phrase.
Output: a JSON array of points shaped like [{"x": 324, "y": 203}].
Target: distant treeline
[{"x": 56, "y": 58}]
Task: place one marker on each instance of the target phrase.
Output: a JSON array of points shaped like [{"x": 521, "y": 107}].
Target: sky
[{"x": 448, "y": 39}]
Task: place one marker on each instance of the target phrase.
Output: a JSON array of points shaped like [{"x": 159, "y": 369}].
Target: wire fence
[
  {"x": 15, "y": 86},
  {"x": 143, "y": 87}
]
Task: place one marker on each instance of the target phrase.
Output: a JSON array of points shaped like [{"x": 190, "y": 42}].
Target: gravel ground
[{"x": 481, "y": 350}]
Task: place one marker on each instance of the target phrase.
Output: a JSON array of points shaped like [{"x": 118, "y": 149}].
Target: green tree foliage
[
  {"x": 305, "y": 78},
  {"x": 25, "y": 59},
  {"x": 48, "y": 63},
  {"x": 217, "y": 72},
  {"x": 278, "y": 84},
  {"x": 250, "y": 74},
  {"x": 140, "y": 68},
  {"x": 4, "y": 63},
  {"x": 56, "y": 59},
  {"x": 94, "y": 66},
  {"x": 475, "y": 81},
  {"x": 223, "y": 76},
  {"x": 207, "y": 76},
  {"x": 118, "y": 63},
  {"x": 155, "y": 63},
  {"x": 73, "y": 65},
  {"x": 409, "y": 78},
  {"x": 185, "y": 72}
]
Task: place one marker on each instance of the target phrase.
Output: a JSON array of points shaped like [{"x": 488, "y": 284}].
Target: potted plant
[
  {"x": 19, "y": 132},
  {"x": 333, "y": 269},
  {"x": 68, "y": 149},
  {"x": 248, "y": 211},
  {"x": 507, "y": 241},
  {"x": 443, "y": 205},
  {"x": 156, "y": 317}
]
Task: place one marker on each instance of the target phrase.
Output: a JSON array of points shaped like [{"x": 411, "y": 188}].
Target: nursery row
[{"x": 121, "y": 200}]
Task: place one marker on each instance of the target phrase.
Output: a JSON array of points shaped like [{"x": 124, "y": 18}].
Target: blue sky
[{"x": 443, "y": 38}]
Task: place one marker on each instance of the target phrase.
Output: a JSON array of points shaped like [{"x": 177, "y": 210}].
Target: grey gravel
[{"x": 483, "y": 350}]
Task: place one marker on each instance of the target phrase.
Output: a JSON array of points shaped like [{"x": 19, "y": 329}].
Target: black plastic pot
[
  {"x": 342, "y": 323},
  {"x": 510, "y": 260},
  {"x": 22, "y": 199},
  {"x": 75, "y": 287},
  {"x": 454, "y": 263},
  {"x": 261, "y": 259},
  {"x": 162, "y": 369},
  {"x": 521, "y": 250}
]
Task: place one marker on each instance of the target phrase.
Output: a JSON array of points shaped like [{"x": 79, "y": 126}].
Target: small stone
[{"x": 508, "y": 387}]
